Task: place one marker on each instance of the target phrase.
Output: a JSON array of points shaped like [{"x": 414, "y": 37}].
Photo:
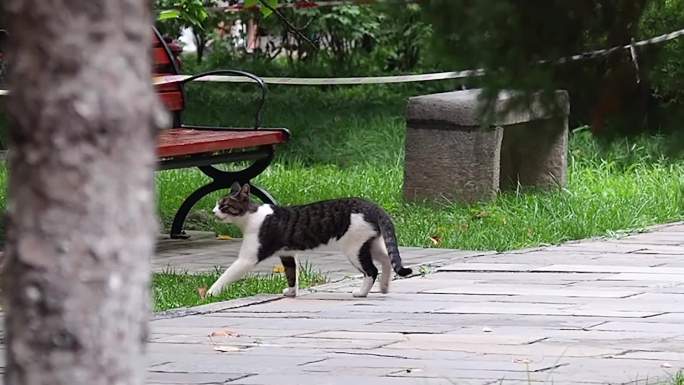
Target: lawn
[
  {"x": 175, "y": 289},
  {"x": 349, "y": 142}
]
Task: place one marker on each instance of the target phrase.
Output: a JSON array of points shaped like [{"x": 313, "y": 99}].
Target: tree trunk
[{"x": 81, "y": 208}]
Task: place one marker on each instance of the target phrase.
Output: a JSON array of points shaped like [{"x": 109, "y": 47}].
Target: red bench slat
[
  {"x": 180, "y": 141},
  {"x": 160, "y": 56},
  {"x": 172, "y": 100},
  {"x": 167, "y": 88}
]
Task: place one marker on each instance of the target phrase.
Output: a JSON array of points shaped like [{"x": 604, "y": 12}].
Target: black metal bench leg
[
  {"x": 223, "y": 180},
  {"x": 262, "y": 194},
  {"x": 189, "y": 202},
  {"x": 182, "y": 213}
]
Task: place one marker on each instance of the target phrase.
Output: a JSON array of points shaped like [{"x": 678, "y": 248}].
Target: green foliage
[
  {"x": 265, "y": 11},
  {"x": 508, "y": 40},
  {"x": 666, "y": 62},
  {"x": 342, "y": 40},
  {"x": 376, "y": 38},
  {"x": 190, "y": 12},
  {"x": 348, "y": 30},
  {"x": 677, "y": 379},
  {"x": 174, "y": 15},
  {"x": 341, "y": 35},
  {"x": 404, "y": 38},
  {"x": 168, "y": 14}
]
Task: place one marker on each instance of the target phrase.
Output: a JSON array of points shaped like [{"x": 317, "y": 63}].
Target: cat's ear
[
  {"x": 244, "y": 191},
  {"x": 235, "y": 188}
]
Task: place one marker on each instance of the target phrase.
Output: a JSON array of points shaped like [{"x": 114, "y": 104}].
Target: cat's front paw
[
  {"x": 358, "y": 293},
  {"x": 290, "y": 292},
  {"x": 214, "y": 291},
  {"x": 384, "y": 287}
]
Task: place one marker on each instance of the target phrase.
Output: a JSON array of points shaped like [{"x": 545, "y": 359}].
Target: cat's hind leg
[
  {"x": 369, "y": 270},
  {"x": 239, "y": 268},
  {"x": 380, "y": 255},
  {"x": 290, "y": 265}
]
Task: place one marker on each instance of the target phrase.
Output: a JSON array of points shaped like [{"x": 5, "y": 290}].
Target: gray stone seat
[{"x": 457, "y": 153}]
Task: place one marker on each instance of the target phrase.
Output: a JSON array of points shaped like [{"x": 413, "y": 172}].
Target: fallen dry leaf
[
  {"x": 226, "y": 348},
  {"x": 224, "y": 237},
  {"x": 481, "y": 214},
  {"x": 202, "y": 291},
  {"x": 223, "y": 333},
  {"x": 436, "y": 240},
  {"x": 522, "y": 360},
  {"x": 278, "y": 269}
]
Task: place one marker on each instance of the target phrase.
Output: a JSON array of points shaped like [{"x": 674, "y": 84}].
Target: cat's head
[{"x": 234, "y": 205}]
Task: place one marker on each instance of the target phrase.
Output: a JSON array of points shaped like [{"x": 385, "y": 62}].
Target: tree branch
[{"x": 288, "y": 24}]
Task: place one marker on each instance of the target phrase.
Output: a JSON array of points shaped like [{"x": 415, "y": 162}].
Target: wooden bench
[{"x": 184, "y": 146}]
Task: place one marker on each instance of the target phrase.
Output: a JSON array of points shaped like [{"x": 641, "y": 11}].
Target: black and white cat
[{"x": 359, "y": 229}]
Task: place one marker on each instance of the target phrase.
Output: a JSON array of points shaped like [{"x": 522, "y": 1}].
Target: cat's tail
[{"x": 387, "y": 231}]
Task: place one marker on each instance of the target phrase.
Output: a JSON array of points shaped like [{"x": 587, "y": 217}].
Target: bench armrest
[{"x": 256, "y": 79}]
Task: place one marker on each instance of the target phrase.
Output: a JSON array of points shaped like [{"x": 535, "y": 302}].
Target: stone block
[
  {"x": 455, "y": 152},
  {"x": 451, "y": 164}
]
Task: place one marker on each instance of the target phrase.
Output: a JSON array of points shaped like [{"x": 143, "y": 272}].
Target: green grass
[
  {"x": 677, "y": 379},
  {"x": 176, "y": 289},
  {"x": 349, "y": 142}
]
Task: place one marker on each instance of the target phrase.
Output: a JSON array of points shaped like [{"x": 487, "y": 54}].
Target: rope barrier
[
  {"x": 605, "y": 52},
  {"x": 159, "y": 80}
]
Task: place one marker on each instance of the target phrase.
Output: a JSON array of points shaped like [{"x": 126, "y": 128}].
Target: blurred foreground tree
[
  {"x": 81, "y": 206},
  {"x": 508, "y": 37}
]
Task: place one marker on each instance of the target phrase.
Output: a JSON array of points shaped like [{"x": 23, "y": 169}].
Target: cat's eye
[{"x": 230, "y": 210}]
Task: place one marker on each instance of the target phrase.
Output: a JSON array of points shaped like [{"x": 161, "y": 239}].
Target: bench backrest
[{"x": 166, "y": 63}]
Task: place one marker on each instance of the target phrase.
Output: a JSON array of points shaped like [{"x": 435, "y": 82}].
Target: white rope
[
  {"x": 407, "y": 78},
  {"x": 327, "y": 81},
  {"x": 605, "y": 52}
]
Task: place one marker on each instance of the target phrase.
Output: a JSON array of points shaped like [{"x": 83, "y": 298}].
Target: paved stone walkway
[
  {"x": 203, "y": 252},
  {"x": 597, "y": 311}
]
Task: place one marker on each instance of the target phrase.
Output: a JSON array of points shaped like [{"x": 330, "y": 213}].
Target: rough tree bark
[{"x": 81, "y": 205}]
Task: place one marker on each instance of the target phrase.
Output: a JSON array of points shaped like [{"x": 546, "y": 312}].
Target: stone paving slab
[{"x": 547, "y": 290}]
